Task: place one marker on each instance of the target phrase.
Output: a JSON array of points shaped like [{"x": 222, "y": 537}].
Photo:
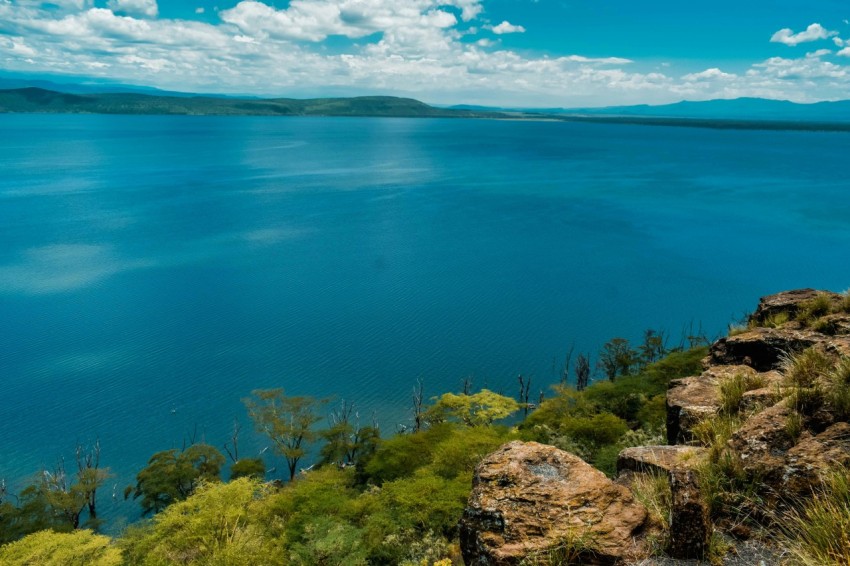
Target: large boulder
[{"x": 535, "y": 502}]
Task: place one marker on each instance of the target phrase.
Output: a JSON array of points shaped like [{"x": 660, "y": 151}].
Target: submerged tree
[{"x": 287, "y": 421}]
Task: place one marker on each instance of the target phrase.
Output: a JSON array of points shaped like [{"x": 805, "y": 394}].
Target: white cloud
[
  {"x": 844, "y": 52},
  {"x": 709, "y": 75},
  {"x": 144, "y": 8},
  {"x": 419, "y": 48},
  {"x": 200, "y": 10},
  {"x": 507, "y": 27},
  {"x": 812, "y": 33},
  {"x": 819, "y": 53}
]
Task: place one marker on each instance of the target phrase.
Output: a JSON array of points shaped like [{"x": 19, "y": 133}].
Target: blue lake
[{"x": 155, "y": 270}]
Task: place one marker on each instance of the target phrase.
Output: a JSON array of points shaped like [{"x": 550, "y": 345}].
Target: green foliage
[
  {"x": 287, "y": 421},
  {"x": 403, "y": 454},
  {"x": 328, "y": 542},
  {"x": 220, "y": 524},
  {"x": 248, "y": 468},
  {"x": 617, "y": 358},
  {"x": 818, "y": 534},
  {"x": 172, "y": 476},
  {"x": 461, "y": 451},
  {"x": 49, "y": 548},
  {"x": 427, "y": 502},
  {"x": 478, "y": 409}
]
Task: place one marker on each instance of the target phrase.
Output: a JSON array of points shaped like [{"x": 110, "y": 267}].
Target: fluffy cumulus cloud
[
  {"x": 507, "y": 27},
  {"x": 434, "y": 50},
  {"x": 812, "y": 33}
]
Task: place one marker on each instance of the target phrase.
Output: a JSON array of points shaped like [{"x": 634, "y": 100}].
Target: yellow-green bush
[{"x": 49, "y": 548}]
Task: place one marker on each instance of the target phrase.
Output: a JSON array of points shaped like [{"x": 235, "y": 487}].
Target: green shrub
[
  {"x": 219, "y": 524},
  {"x": 465, "y": 447},
  {"x": 403, "y": 454},
  {"x": 48, "y": 548}
]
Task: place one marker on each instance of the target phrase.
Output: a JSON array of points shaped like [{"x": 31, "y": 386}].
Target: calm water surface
[{"x": 155, "y": 270}]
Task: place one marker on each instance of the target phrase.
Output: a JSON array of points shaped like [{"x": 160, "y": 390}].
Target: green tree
[
  {"x": 346, "y": 440},
  {"x": 479, "y": 409},
  {"x": 172, "y": 476},
  {"x": 287, "y": 421},
  {"x": 617, "y": 358}
]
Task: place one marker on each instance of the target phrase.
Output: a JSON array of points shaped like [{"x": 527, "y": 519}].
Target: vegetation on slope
[{"x": 368, "y": 500}]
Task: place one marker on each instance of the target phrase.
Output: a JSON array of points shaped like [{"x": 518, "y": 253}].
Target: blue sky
[{"x": 496, "y": 52}]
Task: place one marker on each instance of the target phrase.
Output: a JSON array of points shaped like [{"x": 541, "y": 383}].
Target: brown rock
[
  {"x": 530, "y": 500},
  {"x": 762, "y": 348},
  {"x": 785, "y": 302},
  {"x": 806, "y": 462},
  {"x": 762, "y": 442}
]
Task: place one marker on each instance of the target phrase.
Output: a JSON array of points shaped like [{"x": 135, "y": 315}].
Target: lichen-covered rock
[
  {"x": 812, "y": 456},
  {"x": 535, "y": 502}
]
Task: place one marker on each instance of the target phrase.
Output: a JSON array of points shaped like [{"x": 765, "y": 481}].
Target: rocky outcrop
[
  {"x": 532, "y": 500},
  {"x": 787, "y": 302},
  {"x": 536, "y": 504},
  {"x": 763, "y": 349}
]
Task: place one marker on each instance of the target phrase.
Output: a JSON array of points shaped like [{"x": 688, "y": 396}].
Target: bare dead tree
[
  {"x": 234, "y": 441},
  {"x": 418, "y": 414}
]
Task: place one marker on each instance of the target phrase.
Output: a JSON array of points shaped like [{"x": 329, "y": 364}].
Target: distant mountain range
[
  {"x": 745, "y": 113},
  {"x": 743, "y": 109}
]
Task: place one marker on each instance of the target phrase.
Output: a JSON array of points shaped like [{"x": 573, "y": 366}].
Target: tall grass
[{"x": 818, "y": 534}]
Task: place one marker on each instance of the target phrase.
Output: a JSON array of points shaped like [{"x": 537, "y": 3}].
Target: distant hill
[
  {"x": 42, "y": 100},
  {"x": 732, "y": 109}
]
